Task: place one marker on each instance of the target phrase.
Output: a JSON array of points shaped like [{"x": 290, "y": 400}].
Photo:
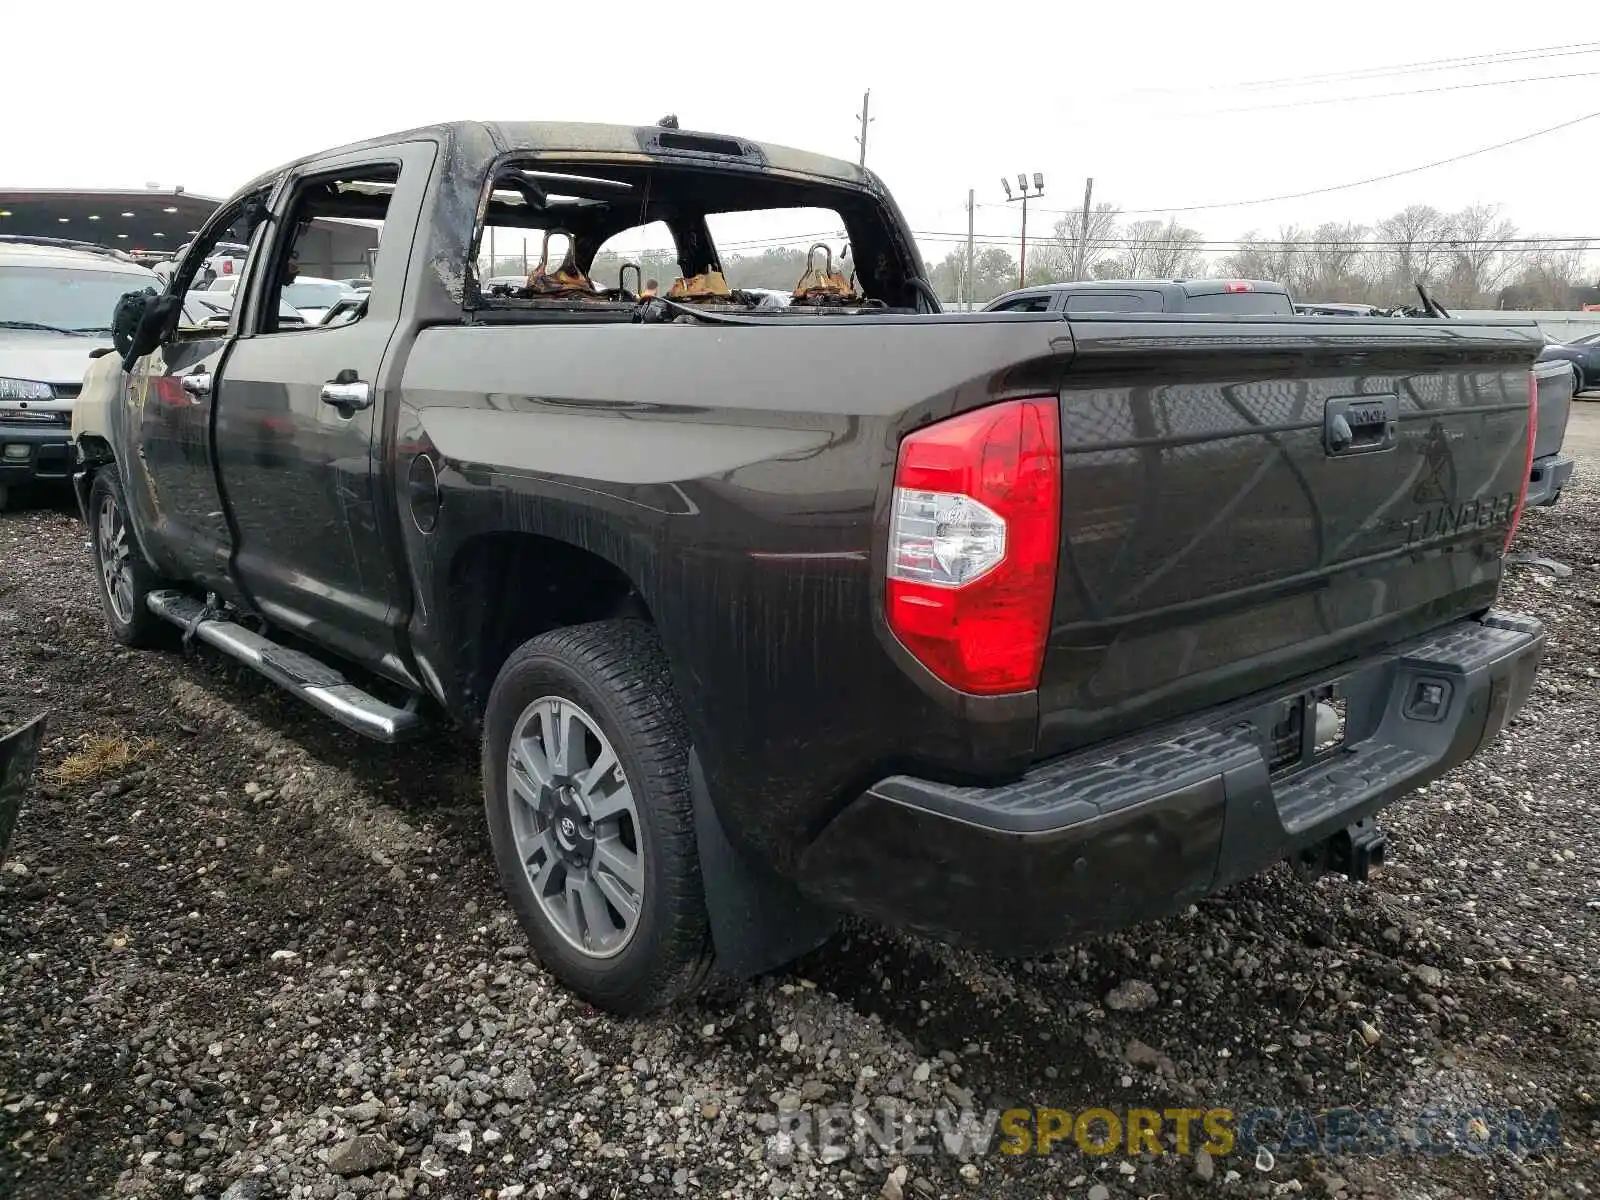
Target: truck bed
[{"x": 1211, "y": 547}]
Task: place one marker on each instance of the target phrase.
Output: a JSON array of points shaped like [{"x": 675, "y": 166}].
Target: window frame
[
  {"x": 1140, "y": 298},
  {"x": 1026, "y": 304},
  {"x": 262, "y": 298},
  {"x": 199, "y": 250}
]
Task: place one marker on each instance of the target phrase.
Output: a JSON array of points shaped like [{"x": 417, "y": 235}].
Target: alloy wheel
[
  {"x": 116, "y": 564},
  {"x": 576, "y": 826}
]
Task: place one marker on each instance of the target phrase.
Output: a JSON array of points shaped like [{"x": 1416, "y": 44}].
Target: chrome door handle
[
  {"x": 350, "y": 396},
  {"x": 197, "y": 385}
]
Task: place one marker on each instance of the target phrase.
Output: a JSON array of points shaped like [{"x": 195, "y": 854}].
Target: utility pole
[
  {"x": 866, "y": 101},
  {"x": 1038, "y": 190},
  {"x": 966, "y": 288},
  {"x": 1083, "y": 230}
]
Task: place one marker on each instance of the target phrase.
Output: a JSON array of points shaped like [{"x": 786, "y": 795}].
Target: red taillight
[
  {"x": 1239, "y": 286},
  {"x": 973, "y": 543},
  {"x": 227, "y": 266},
  {"x": 1527, "y": 465}
]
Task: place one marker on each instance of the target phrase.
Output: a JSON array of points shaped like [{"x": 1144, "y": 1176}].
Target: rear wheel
[
  {"x": 586, "y": 790},
  {"x": 123, "y": 577}
]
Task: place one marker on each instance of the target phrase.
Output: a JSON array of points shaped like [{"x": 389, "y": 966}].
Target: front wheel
[
  {"x": 123, "y": 577},
  {"x": 586, "y": 790}
]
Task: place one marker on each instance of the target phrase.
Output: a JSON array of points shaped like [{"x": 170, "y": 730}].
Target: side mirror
[
  {"x": 149, "y": 316},
  {"x": 125, "y": 318}
]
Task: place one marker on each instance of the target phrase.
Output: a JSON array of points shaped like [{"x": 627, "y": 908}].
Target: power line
[
  {"x": 1458, "y": 63},
  {"x": 1323, "y": 251},
  {"x": 1342, "y": 187},
  {"x": 1450, "y": 87},
  {"x": 1364, "y": 245},
  {"x": 1508, "y": 246},
  {"x": 1294, "y": 247}
]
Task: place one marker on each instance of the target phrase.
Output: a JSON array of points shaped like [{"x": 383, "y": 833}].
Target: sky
[{"x": 1164, "y": 104}]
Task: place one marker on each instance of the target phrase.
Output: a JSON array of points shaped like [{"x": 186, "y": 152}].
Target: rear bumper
[
  {"x": 1119, "y": 834},
  {"x": 49, "y": 452},
  {"x": 1549, "y": 475}
]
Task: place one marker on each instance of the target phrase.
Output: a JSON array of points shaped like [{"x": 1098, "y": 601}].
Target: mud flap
[
  {"x": 19, "y": 752},
  {"x": 759, "y": 921}
]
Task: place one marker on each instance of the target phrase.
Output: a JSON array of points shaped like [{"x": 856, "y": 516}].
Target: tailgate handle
[{"x": 1360, "y": 424}]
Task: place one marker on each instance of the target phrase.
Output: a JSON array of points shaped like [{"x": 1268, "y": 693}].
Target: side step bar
[{"x": 318, "y": 684}]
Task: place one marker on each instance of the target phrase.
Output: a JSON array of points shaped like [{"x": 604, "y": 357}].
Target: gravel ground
[{"x": 260, "y": 957}]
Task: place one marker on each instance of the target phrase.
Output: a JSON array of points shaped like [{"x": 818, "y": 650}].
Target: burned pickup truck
[{"x": 1003, "y": 627}]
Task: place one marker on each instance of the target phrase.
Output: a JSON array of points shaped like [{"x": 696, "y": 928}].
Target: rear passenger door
[{"x": 299, "y": 428}]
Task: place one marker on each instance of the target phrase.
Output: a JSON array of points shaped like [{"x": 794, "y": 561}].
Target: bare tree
[
  {"x": 1253, "y": 258},
  {"x": 1156, "y": 251},
  {"x": 1480, "y": 255},
  {"x": 1337, "y": 262},
  {"x": 1549, "y": 277},
  {"x": 1060, "y": 253},
  {"x": 1286, "y": 259},
  {"x": 1413, "y": 240},
  {"x": 1469, "y": 258}
]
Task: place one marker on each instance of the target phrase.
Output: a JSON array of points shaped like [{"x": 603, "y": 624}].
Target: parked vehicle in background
[
  {"x": 56, "y": 302},
  {"x": 312, "y": 297},
  {"x": 225, "y": 285},
  {"x": 490, "y": 284},
  {"x": 772, "y": 297},
  {"x": 199, "y": 308},
  {"x": 1339, "y": 310},
  {"x": 1582, "y": 352},
  {"x": 1006, "y": 628},
  {"x": 224, "y": 262},
  {"x": 1551, "y": 469},
  {"x": 358, "y": 285},
  {"x": 1244, "y": 297}
]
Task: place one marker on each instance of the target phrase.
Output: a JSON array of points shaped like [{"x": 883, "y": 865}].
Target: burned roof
[{"x": 469, "y": 140}]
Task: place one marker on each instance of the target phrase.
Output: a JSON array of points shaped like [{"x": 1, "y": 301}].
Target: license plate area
[{"x": 1300, "y": 731}]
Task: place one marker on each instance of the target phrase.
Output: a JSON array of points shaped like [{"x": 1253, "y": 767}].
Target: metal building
[{"x": 160, "y": 220}]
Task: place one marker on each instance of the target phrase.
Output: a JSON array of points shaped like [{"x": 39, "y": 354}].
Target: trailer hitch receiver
[{"x": 1353, "y": 851}]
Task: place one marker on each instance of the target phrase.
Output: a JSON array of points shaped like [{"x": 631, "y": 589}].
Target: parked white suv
[{"x": 56, "y": 302}]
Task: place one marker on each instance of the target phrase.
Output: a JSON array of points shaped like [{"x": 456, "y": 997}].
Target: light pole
[{"x": 1038, "y": 190}]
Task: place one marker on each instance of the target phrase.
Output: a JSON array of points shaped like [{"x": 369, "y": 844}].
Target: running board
[{"x": 318, "y": 684}]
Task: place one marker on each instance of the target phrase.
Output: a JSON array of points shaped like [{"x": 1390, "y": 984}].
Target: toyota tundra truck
[{"x": 1006, "y": 628}]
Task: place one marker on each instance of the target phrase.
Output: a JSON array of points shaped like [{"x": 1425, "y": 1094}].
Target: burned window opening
[{"x": 524, "y": 208}]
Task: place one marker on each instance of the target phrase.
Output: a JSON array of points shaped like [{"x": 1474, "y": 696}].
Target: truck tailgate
[{"x": 1262, "y": 500}]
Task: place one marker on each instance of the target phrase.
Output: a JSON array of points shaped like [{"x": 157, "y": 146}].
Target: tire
[
  {"x": 584, "y": 849},
  {"x": 125, "y": 585},
  {"x": 5, "y": 494}
]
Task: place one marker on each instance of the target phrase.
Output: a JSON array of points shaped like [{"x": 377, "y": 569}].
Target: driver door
[{"x": 171, "y": 482}]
